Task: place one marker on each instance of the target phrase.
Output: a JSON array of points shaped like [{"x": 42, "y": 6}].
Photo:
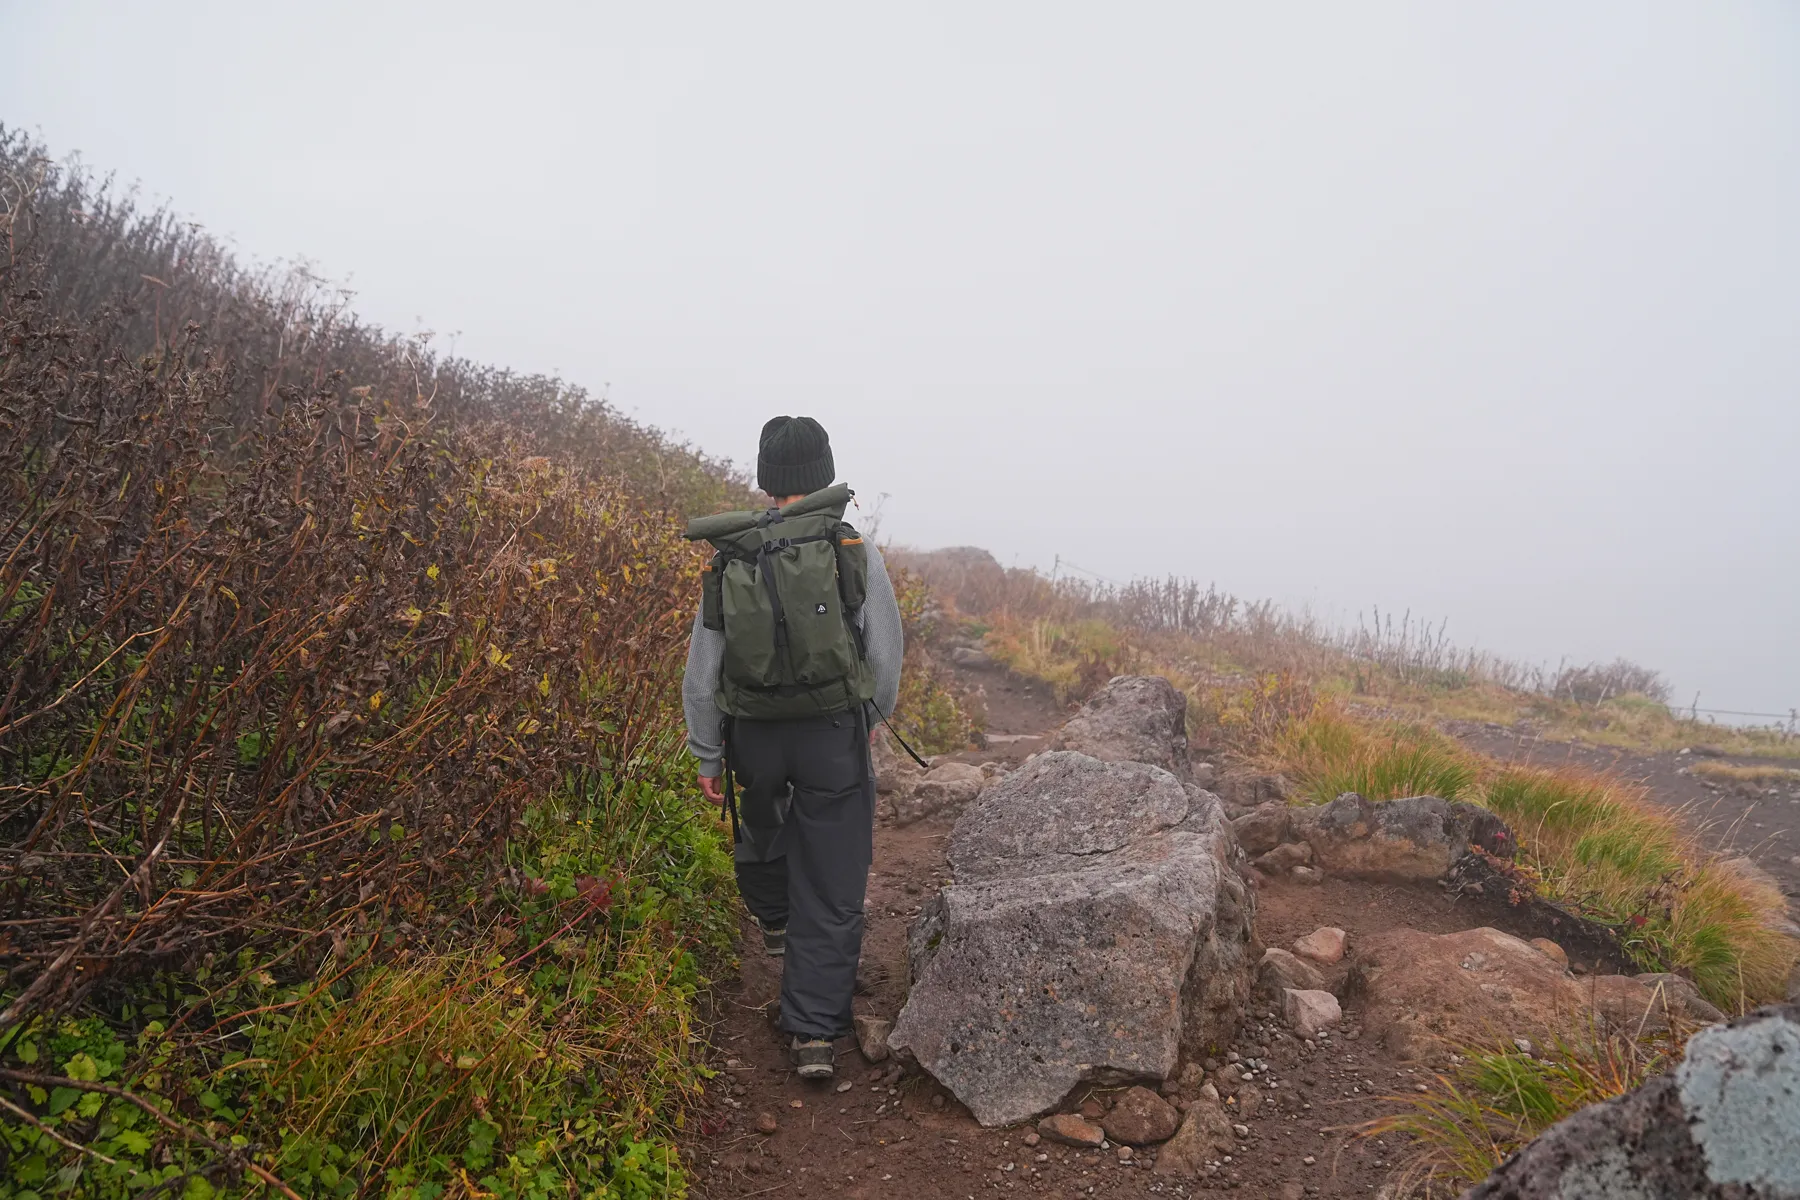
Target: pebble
[
  {"x": 796, "y": 1104},
  {"x": 1309, "y": 1160},
  {"x": 1032, "y": 1138},
  {"x": 1241, "y": 1130},
  {"x": 845, "y": 1086},
  {"x": 765, "y": 1123}
]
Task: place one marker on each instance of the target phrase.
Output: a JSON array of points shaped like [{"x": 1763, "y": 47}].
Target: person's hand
[{"x": 710, "y": 785}]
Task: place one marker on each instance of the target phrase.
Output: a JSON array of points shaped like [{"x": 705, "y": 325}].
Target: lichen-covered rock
[
  {"x": 1134, "y": 718},
  {"x": 1721, "y": 1126},
  {"x": 1413, "y": 840},
  {"x": 1096, "y": 928},
  {"x": 945, "y": 787}
]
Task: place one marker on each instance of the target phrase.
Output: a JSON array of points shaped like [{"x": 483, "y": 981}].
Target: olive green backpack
[{"x": 782, "y": 586}]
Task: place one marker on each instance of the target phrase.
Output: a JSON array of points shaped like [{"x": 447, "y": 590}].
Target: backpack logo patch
[{"x": 820, "y": 609}]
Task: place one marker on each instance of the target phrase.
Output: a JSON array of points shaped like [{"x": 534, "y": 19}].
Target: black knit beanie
[{"x": 793, "y": 457}]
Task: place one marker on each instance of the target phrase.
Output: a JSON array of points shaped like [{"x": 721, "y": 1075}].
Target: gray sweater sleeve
[{"x": 885, "y": 643}]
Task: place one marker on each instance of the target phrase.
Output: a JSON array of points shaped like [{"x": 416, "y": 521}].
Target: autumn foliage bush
[{"x": 299, "y": 624}]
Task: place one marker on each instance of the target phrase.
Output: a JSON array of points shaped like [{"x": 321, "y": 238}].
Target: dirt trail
[
  {"x": 873, "y": 1135},
  {"x": 1759, "y": 820}
]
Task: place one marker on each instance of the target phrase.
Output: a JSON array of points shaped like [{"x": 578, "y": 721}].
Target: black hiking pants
[{"x": 806, "y": 815}]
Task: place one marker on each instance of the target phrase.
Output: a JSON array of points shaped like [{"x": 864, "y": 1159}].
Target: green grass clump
[
  {"x": 1498, "y": 1098},
  {"x": 1329, "y": 753},
  {"x": 1603, "y": 846}
]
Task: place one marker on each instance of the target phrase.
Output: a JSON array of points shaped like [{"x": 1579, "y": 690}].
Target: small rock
[
  {"x": 1191, "y": 1077},
  {"x": 1285, "y": 857},
  {"x": 1071, "y": 1130},
  {"x": 1279, "y": 970},
  {"x": 1310, "y": 1013},
  {"x": 1293, "y": 1189},
  {"x": 1124, "y": 1153},
  {"x": 971, "y": 658},
  {"x": 845, "y": 1086},
  {"x": 1552, "y": 951},
  {"x": 1140, "y": 1117},
  {"x": 1209, "y": 1093},
  {"x": 766, "y": 1123},
  {"x": 1309, "y": 1160},
  {"x": 1249, "y": 1099},
  {"x": 1324, "y": 945},
  {"x": 1031, "y": 1138},
  {"x": 796, "y": 1104},
  {"x": 1263, "y": 828},
  {"x": 871, "y": 1037},
  {"x": 1242, "y": 1131},
  {"x": 937, "y": 1101},
  {"x": 1205, "y": 1136},
  {"x": 1092, "y": 1109},
  {"x": 1307, "y": 875}
]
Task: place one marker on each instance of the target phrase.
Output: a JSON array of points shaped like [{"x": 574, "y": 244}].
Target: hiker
[{"x": 795, "y": 659}]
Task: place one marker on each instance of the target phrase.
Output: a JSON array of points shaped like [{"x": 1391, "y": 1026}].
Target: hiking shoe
[
  {"x": 814, "y": 1058},
  {"x": 774, "y": 940}
]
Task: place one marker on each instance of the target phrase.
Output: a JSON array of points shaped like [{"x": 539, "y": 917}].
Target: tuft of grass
[
  {"x": 1744, "y": 773},
  {"x": 1329, "y": 753},
  {"x": 1075, "y": 658},
  {"x": 1498, "y": 1098},
  {"x": 1722, "y": 930}
]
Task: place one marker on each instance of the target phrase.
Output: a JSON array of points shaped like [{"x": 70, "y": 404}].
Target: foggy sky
[{"x": 1489, "y": 311}]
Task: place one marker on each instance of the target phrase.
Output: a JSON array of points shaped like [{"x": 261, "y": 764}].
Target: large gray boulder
[
  {"x": 1096, "y": 929},
  {"x": 1134, "y": 718},
  {"x": 1721, "y": 1125}
]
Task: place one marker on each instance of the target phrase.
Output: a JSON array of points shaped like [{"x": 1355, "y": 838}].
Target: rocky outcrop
[
  {"x": 1134, "y": 718},
  {"x": 1097, "y": 927},
  {"x": 1413, "y": 840},
  {"x": 1721, "y": 1125},
  {"x": 1425, "y": 993}
]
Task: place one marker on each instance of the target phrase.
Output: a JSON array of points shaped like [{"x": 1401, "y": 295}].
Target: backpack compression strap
[{"x": 910, "y": 752}]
